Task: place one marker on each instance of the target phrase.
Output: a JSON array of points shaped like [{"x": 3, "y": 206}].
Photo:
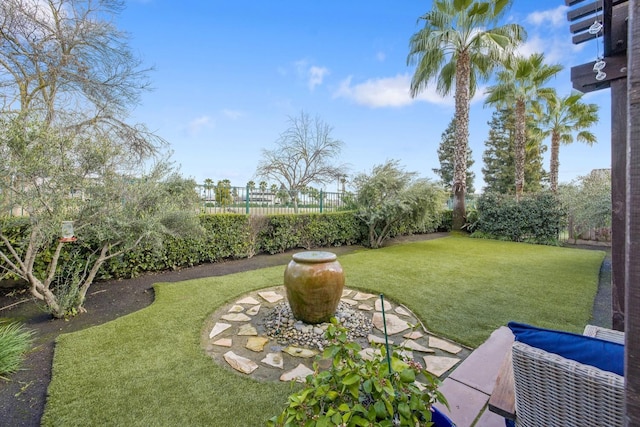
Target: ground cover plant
[
  {"x": 148, "y": 368},
  {"x": 15, "y": 341}
]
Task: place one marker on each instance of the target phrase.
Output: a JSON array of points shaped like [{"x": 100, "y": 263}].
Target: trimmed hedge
[
  {"x": 225, "y": 236},
  {"x": 536, "y": 218}
]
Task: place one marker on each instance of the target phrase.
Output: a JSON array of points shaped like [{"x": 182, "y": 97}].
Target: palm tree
[
  {"x": 561, "y": 117},
  {"x": 520, "y": 84},
  {"x": 459, "y": 47}
]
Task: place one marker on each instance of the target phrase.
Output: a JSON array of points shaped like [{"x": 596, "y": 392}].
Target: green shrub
[
  {"x": 15, "y": 341},
  {"x": 536, "y": 218},
  {"x": 358, "y": 391}
]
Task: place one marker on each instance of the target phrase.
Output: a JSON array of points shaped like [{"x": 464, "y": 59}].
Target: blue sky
[{"x": 228, "y": 74}]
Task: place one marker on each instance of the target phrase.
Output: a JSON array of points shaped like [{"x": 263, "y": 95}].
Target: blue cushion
[
  {"x": 602, "y": 354},
  {"x": 439, "y": 419}
]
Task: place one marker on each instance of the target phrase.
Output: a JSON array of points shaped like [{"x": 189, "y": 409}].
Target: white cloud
[
  {"x": 232, "y": 114},
  {"x": 556, "y": 49},
  {"x": 313, "y": 75},
  {"x": 394, "y": 92},
  {"x": 198, "y": 124},
  {"x": 316, "y": 76},
  {"x": 556, "y": 17}
]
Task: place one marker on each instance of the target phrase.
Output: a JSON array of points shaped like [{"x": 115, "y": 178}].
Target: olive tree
[
  {"x": 390, "y": 197},
  {"x": 588, "y": 200},
  {"x": 68, "y": 80},
  {"x": 303, "y": 155}
]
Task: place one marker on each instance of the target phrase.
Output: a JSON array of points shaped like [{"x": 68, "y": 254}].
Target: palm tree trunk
[
  {"x": 555, "y": 162},
  {"x": 462, "y": 140},
  {"x": 520, "y": 154}
]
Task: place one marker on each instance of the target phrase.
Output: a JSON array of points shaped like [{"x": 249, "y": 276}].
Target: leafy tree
[
  {"x": 223, "y": 193},
  {"x": 460, "y": 46},
  {"x": 389, "y": 197},
  {"x": 263, "y": 186},
  {"x": 588, "y": 199},
  {"x": 64, "y": 63},
  {"x": 521, "y": 85},
  {"x": 56, "y": 177},
  {"x": 69, "y": 79},
  {"x": 303, "y": 155},
  {"x": 499, "y": 163},
  {"x": 559, "y": 118},
  {"x": 446, "y": 156}
]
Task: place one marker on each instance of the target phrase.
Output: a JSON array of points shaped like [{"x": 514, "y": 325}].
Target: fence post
[
  {"x": 247, "y": 197},
  {"x": 321, "y": 199}
]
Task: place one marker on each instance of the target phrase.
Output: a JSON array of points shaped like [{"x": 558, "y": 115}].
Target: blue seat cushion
[
  {"x": 602, "y": 354},
  {"x": 439, "y": 419}
]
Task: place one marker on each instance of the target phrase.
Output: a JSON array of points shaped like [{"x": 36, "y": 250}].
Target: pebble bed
[{"x": 281, "y": 325}]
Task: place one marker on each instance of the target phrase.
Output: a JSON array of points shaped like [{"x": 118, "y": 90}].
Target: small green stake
[{"x": 386, "y": 337}]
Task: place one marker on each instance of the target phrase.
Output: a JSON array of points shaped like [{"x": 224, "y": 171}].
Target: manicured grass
[{"x": 148, "y": 368}]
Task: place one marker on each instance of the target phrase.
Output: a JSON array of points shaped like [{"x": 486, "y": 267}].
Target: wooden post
[
  {"x": 618, "y": 198},
  {"x": 632, "y": 241}
]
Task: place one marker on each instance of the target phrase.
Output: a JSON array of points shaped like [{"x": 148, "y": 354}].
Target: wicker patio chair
[{"x": 553, "y": 391}]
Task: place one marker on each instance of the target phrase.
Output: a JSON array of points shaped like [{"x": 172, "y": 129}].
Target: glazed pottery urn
[{"x": 314, "y": 281}]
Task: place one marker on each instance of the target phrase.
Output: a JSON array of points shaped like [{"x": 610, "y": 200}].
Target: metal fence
[{"x": 255, "y": 201}]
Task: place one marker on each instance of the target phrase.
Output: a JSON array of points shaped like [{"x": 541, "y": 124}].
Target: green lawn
[{"x": 148, "y": 368}]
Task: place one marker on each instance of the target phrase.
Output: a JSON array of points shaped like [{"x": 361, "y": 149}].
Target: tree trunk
[
  {"x": 43, "y": 293},
  {"x": 520, "y": 154},
  {"x": 462, "y": 141},
  {"x": 555, "y": 162}
]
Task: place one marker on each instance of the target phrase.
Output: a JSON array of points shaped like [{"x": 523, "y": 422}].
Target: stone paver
[
  {"x": 489, "y": 419},
  {"x": 247, "y": 330},
  {"x": 235, "y": 317},
  {"x": 480, "y": 369},
  {"x": 412, "y": 345},
  {"x": 248, "y": 300},
  {"x": 444, "y": 345},
  {"x": 274, "y": 359},
  {"x": 236, "y": 309},
  {"x": 465, "y": 403},
  {"x": 387, "y": 306},
  {"x": 218, "y": 328},
  {"x": 395, "y": 325},
  {"x": 256, "y": 343},
  {"x": 300, "y": 352},
  {"x": 362, "y": 296},
  {"x": 299, "y": 374},
  {"x": 224, "y": 342},
  {"x": 239, "y": 363},
  {"x": 438, "y": 365},
  {"x": 270, "y": 296}
]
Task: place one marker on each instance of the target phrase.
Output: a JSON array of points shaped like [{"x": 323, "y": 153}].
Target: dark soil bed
[{"x": 23, "y": 397}]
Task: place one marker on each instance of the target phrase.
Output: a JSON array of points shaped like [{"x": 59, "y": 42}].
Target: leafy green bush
[
  {"x": 15, "y": 341},
  {"x": 359, "y": 391},
  {"x": 536, "y": 218},
  {"x": 392, "y": 202}
]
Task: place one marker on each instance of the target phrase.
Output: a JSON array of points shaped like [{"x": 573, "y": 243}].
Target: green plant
[
  {"x": 15, "y": 341},
  {"x": 535, "y": 218},
  {"x": 361, "y": 391}
]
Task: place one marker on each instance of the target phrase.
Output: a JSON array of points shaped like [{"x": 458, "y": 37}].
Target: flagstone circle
[{"x": 256, "y": 336}]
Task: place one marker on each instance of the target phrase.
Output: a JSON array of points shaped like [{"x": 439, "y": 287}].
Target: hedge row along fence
[
  {"x": 225, "y": 236},
  {"x": 536, "y": 219}
]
